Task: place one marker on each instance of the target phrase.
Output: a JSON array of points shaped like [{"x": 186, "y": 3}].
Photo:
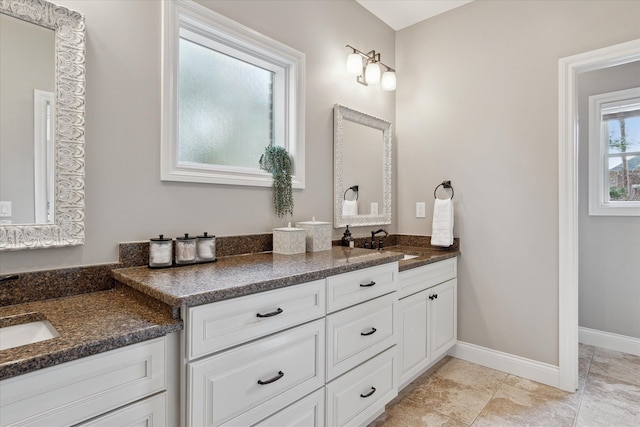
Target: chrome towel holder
[{"x": 444, "y": 184}]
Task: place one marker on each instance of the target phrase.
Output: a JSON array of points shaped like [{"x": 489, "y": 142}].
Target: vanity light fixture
[{"x": 366, "y": 68}]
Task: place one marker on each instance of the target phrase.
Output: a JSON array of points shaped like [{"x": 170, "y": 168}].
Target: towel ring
[
  {"x": 444, "y": 184},
  {"x": 353, "y": 188}
]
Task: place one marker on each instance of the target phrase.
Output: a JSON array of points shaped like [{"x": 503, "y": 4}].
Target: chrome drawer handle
[
  {"x": 272, "y": 380},
  {"x": 373, "y": 390},
  {"x": 371, "y": 332},
  {"x": 367, "y": 285},
  {"x": 273, "y": 313}
]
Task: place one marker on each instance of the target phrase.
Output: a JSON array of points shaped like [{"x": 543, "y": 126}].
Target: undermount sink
[
  {"x": 407, "y": 256},
  {"x": 15, "y": 335}
]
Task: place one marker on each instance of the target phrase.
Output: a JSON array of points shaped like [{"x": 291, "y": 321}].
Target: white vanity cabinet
[
  {"x": 428, "y": 316},
  {"x": 321, "y": 353},
  {"x": 73, "y": 392}
]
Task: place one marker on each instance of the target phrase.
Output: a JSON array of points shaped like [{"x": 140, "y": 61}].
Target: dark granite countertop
[
  {"x": 88, "y": 324},
  {"x": 425, "y": 255},
  {"x": 236, "y": 276}
]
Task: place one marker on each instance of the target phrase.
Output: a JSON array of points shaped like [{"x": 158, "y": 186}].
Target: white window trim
[
  {"x": 599, "y": 204},
  {"x": 200, "y": 20}
]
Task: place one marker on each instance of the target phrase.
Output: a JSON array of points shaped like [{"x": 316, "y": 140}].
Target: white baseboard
[
  {"x": 608, "y": 340},
  {"x": 505, "y": 362}
]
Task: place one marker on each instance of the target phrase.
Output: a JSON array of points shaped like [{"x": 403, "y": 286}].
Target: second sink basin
[{"x": 26, "y": 333}]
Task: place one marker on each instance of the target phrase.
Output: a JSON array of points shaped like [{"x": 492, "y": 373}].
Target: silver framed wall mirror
[
  {"x": 362, "y": 168},
  {"x": 42, "y": 160}
]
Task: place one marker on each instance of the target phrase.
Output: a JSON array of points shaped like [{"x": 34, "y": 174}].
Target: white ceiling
[{"x": 399, "y": 14}]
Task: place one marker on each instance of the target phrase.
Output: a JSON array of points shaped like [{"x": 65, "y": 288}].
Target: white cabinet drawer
[
  {"x": 418, "y": 279},
  {"x": 359, "y": 394},
  {"x": 150, "y": 412},
  {"x": 307, "y": 412},
  {"x": 352, "y": 288},
  {"x": 219, "y": 325},
  {"x": 76, "y": 391},
  {"x": 359, "y": 333},
  {"x": 249, "y": 382}
]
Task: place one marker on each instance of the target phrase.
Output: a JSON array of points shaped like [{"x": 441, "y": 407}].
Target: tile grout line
[
  {"x": 584, "y": 389},
  {"x": 490, "y": 399}
]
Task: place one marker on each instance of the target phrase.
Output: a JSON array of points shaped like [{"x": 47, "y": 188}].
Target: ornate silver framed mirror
[
  {"x": 61, "y": 177},
  {"x": 362, "y": 168}
]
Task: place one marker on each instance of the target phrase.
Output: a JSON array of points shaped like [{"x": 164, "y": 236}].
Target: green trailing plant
[{"x": 276, "y": 160}]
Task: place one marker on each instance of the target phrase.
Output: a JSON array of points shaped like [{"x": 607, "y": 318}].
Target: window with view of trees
[{"x": 614, "y": 153}]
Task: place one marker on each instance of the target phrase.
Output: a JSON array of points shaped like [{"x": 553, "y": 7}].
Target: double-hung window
[{"x": 614, "y": 153}]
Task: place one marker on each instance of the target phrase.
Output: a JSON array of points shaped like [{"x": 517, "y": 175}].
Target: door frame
[{"x": 569, "y": 68}]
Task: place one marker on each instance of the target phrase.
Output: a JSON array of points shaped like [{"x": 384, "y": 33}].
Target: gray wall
[
  {"x": 125, "y": 199},
  {"x": 477, "y": 103},
  {"x": 609, "y": 247},
  {"x": 19, "y": 75}
]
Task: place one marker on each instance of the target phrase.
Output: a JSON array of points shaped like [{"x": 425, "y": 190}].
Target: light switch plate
[
  {"x": 5, "y": 209},
  {"x": 374, "y": 208},
  {"x": 421, "y": 210}
]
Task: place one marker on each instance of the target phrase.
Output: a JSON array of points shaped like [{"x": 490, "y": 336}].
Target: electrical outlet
[
  {"x": 421, "y": 210},
  {"x": 374, "y": 208},
  {"x": 5, "y": 209}
]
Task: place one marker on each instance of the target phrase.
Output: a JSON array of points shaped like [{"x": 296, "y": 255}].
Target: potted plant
[{"x": 276, "y": 160}]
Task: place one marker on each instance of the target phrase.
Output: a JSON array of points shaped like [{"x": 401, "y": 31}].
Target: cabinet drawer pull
[
  {"x": 367, "y": 285},
  {"x": 272, "y": 380},
  {"x": 371, "y": 332},
  {"x": 373, "y": 390},
  {"x": 273, "y": 313}
]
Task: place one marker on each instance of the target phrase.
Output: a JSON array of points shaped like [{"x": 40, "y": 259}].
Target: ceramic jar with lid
[
  {"x": 289, "y": 240},
  {"x": 318, "y": 235}
]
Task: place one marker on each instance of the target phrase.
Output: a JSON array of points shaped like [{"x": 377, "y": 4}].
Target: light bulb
[
  {"x": 388, "y": 81},
  {"x": 354, "y": 64},
  {"x": 372, "y": 73}
]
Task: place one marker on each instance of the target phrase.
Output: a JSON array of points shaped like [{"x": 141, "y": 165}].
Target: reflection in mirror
[
  {"x": 362, "y": 157},
  {"x": 42, "y": 80},
  {"x": 27, "y": 83}
]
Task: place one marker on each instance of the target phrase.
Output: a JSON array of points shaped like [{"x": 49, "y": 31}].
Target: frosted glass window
[
  {"x": 228, "y": 92},
  {"x": 225, "y": 108}
]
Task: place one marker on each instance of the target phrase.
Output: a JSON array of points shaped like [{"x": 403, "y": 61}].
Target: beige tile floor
[{"x": 459, "y": 393}]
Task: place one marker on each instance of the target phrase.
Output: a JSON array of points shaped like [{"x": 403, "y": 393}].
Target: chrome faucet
[{"x": 373, "y": 238}]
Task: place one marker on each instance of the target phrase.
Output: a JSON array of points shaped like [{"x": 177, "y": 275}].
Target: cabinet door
[
  {"x": 359, "y": 333},
  {"x": 307, "y": 412},
  {"x": 150, "y": 412},
  {"x": 361, "y": 393},
  {"x": 72, "y": 392},
  {"x": 223, "y": 324},
  {"x": 443, "y": 301},
  {"x": 414, "y": 345},
  {"x": 248, "y": 383}
]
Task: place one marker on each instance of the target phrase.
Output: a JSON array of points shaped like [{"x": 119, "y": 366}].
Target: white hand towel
[
  {"x": 349, "y": 208},
  {"x": 442, "y": 230}
]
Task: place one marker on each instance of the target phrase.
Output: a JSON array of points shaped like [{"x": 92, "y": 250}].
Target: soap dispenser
[{"x": 347, "y": 240}]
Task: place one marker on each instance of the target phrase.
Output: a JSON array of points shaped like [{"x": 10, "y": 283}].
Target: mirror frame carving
[
  {"x": 68, "y": 226},
  {"x": 341, "y": 113}
]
